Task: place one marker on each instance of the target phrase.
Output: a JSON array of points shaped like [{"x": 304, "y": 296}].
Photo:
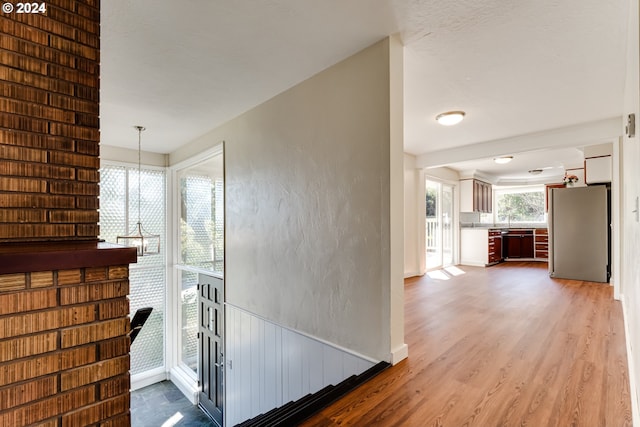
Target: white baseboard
[
  {"x": 472, "y": 264},
  {"x": 185, "y": 384},
  {"x": 145, "y": 379},
  {"x": 399, "y": 354},
  {"x": 631, "y": 368},
  {"x": 408, "y": 274}
]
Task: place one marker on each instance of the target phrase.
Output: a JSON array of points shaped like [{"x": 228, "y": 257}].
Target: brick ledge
[{"x": 29, "y": 257}]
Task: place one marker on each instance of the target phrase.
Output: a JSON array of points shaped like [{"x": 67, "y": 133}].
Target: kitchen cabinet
[
  {"x": 475, "y": 196},
  {"x": 480, "y": 246},
  {"x": 541, "y": 244},
  {"x": 495, "y": 246},
  {"x": 519, "y": 243},
  {"x": 597, "y": 170}
]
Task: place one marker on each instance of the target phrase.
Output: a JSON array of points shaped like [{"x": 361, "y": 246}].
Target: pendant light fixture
[{"x": 145, "y": 243}]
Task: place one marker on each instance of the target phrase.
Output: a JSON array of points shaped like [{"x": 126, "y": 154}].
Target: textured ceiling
[
  {"x": 514, "y": 67},
  {"x": 183, "y": 68}
]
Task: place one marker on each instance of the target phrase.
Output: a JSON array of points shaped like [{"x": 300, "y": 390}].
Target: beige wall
[
  {"x": 630, "y": 158},
  {"x": 308, "y": 179},
  {"x": 411, "y": 217}
]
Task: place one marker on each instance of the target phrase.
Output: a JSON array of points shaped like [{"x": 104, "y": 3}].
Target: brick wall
[
  {"x": 64, "y": 349},
  {"x": 49, "y": 122},
  {"x": 64, "y": 344}
]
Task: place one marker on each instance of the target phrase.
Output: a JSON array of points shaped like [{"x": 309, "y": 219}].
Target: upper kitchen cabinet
[
  {"x": 475, "y": 196},
  {"x": 597, "y": 163},
  {"x": 597, "y": 169}
]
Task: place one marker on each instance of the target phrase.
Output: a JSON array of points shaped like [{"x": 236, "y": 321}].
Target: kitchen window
[{"x": 515, "y": 205}]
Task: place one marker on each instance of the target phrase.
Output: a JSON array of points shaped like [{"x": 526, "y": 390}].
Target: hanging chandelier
[{"x": 145, "y": 243}]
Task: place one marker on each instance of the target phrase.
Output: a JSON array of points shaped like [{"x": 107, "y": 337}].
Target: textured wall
[
  {"x": 307, "y": 182},
  {"x": 308, "y": 205},
  {"x": 49, "y": 122}
]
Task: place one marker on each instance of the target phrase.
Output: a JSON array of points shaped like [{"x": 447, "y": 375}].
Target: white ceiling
[
  {"x": 515, "y": 67},
  {"x": 551, "y": 162}
]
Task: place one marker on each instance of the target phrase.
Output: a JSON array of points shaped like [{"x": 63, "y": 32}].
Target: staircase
[{"x": 295, "y": 412}]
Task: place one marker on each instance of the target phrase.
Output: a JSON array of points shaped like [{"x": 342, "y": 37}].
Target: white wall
[
  {"x": 308, "y": 181},
  {"x": 411, "y": 223},
  {"x": 630, "y": 159},
  {"x": 126, "y": 155},
  {"x": 272, "y": 366},
  {"x": 399, "y": 349},
  {"x": 442, "y": 174}
]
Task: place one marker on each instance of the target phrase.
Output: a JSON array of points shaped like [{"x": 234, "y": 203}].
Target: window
[
  {"x": 201, "y": 244},
  {"x": 118, "y": 215},
  {"x": 520, "y": 205},
  {"x": 201, "y": 221}
]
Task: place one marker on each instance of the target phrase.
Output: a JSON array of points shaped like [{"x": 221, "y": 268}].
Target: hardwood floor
[{"x": 500, "y": 346}]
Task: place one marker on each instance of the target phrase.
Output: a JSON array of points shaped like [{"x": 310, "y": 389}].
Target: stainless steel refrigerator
[{"x": 579, "y": 233}]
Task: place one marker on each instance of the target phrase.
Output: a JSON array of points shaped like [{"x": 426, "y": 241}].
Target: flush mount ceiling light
[
  {"x": 503, "y": 159},
  {"x": 450, "y": 118},
  {"x": 145, "y": 243}
]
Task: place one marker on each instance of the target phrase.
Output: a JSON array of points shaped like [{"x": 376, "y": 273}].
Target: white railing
[
  {"x": 431, "y": 241},
  {"x": 438, "y": 252}
]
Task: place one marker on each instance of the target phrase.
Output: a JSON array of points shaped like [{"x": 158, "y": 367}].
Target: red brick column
[
  {"x": 64, "y": 345},
  {"x": 49, "y": 122}
]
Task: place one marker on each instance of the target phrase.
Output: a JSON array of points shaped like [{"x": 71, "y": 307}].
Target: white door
[{"x": 439, "y": 224}]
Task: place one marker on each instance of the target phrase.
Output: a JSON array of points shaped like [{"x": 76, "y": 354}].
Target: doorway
[
  {"x": 439, "y": 224},
  {"x": 211, "y": 339}
]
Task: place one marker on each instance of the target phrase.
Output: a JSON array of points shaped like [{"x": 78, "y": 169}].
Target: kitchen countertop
[{"x": 503, "y": 227}]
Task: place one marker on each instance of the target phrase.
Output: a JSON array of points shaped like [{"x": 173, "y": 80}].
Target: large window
[
  {"x": 520, "y": 205},
  {"x": 119, "y": 215},
  {"x": 201, "y": 243}
]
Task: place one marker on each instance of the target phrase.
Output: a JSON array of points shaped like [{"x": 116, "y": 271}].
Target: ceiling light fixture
[
  {"x": 503, "y": 159},
  {"x": 450, "y": 118},
  {"x": 145, "y": 243}
]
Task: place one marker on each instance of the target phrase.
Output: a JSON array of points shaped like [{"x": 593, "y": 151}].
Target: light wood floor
[{"x": 500, "y": 346}]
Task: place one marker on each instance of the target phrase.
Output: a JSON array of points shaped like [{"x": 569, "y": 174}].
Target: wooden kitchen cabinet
[
  {"x": 541, "y": 239},
  {"x": 519, "y": 243},
  {"x": 495, "y": 246},
  {"x": 475, "y": 196}
]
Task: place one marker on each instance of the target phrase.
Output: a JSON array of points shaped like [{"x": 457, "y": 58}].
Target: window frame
[
  {"x": 182, "y": 375},
  {"x": 533, "y": 188}
]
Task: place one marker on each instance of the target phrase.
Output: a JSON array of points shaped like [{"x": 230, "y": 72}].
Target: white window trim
[
  {"x": 534, "y": 188},
  {"x": 179, "y": 373}
]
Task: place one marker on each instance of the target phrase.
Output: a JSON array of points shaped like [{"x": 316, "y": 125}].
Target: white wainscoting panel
[{"x": 269, "y": 365}]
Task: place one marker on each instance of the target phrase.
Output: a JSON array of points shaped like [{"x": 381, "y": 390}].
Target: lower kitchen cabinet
[
  {"x": 495, "y": 246},
  {"x": 541, "y": 242},
  {"x": 484, "y": 247},
  {"x": 480, "y": 246},
  {"x": 519, "y": 244}
]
